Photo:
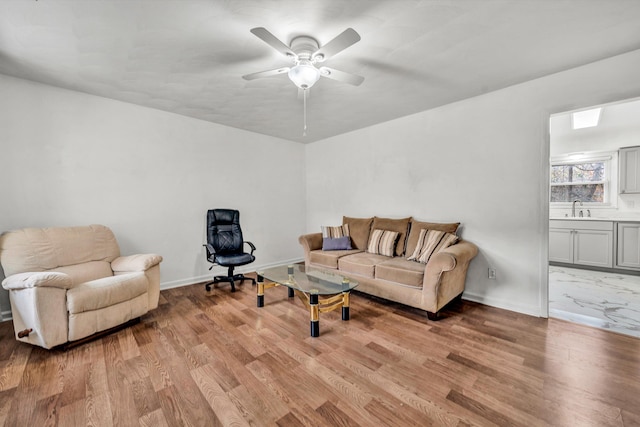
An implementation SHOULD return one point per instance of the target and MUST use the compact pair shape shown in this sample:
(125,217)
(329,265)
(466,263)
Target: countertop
(613,219)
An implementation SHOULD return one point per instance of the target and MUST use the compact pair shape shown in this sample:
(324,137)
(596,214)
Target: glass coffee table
(310,284)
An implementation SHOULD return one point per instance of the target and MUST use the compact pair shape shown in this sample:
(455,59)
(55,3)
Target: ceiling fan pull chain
(304,100)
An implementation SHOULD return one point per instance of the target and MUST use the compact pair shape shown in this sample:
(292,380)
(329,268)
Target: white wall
(68,158)
(482,161)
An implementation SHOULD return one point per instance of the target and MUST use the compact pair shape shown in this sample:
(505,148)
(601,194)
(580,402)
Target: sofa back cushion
(40,249)
(417,226)
(359,229)
(401,226)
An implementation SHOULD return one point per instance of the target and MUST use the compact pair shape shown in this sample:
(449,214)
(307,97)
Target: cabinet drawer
(584,224)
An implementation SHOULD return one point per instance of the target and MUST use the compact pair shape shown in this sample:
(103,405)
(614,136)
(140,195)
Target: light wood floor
(207,359)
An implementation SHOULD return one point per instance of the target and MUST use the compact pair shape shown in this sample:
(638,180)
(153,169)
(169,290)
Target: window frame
(609,159)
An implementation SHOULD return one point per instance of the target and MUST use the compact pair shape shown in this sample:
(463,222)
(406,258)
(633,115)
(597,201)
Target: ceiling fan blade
(342,41)
(341,76)
(264,35)
(267,73)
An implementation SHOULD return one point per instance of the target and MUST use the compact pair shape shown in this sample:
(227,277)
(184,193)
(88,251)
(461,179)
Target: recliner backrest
(223,231)
(40,249)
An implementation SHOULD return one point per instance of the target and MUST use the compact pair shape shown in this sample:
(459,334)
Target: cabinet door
(628,254)
(561,245)
(593,247)
(629,161)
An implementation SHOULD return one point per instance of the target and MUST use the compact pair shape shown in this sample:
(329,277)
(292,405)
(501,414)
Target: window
(585,179)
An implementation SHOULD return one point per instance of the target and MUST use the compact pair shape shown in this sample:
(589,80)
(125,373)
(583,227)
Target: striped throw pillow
(333,232)
(382,242)
(431,242)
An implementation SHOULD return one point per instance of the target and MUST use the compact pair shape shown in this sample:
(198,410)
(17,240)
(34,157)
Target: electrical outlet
(492,273)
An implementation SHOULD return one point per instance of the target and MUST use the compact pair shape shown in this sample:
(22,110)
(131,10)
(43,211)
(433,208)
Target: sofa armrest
(310,242)
(139,262)
(446,272)
(37,279)
(463,251)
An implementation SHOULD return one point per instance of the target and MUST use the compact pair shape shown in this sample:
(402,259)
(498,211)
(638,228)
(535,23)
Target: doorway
(587,284)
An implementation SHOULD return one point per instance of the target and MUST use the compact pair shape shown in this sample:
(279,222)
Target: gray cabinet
(561,245)
(581,242)
(628,253)
(629,170)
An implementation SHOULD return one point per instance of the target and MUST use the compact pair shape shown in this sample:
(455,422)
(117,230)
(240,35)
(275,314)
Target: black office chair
(225,246)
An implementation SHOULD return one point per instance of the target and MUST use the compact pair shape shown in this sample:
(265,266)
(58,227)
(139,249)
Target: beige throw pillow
(333,232)
(431,242)
(383,242)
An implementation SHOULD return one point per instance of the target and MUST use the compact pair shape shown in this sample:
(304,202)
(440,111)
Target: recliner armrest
(35,279)
(139,262)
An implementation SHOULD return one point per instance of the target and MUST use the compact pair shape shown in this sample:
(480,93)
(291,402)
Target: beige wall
(68,158)
(482,161)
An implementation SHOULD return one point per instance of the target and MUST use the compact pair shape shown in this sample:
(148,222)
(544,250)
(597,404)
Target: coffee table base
(311,300)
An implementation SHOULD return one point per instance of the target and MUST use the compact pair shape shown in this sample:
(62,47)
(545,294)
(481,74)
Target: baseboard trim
(499,303)
(221,270)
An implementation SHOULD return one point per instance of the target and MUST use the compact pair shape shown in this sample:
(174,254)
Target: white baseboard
(222,270)
(499,303)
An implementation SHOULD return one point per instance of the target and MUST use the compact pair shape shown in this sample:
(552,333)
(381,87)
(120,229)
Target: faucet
(573,208)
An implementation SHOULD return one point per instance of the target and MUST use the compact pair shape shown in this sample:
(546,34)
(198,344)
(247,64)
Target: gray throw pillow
(336,243)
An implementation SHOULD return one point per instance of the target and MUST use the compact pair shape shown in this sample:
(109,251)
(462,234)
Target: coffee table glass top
(309,280)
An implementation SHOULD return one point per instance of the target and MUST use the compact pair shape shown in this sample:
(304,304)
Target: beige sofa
(66,284)
(427,286)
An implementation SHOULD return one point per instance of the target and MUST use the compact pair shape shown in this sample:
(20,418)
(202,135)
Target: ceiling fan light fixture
(304,75)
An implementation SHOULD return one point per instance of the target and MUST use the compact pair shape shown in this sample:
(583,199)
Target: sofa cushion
(336,243)
(401,226)
(382,242)
(359,229)
(431,242)
(417,226)
(362,263)
(106,292)
(399,270)
(328,259)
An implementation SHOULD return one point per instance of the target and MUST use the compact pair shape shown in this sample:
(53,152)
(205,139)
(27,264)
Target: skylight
(586,118)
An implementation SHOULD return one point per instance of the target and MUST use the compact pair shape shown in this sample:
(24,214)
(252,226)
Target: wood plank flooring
(215,359)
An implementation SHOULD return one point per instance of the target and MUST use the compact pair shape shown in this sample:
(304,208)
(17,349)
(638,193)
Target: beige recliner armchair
(69,283)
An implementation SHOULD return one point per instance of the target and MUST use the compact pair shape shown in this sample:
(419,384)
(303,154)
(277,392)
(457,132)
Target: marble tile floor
(604,300)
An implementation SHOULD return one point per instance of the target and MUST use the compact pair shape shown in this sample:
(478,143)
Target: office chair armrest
(253,247)
(210,249)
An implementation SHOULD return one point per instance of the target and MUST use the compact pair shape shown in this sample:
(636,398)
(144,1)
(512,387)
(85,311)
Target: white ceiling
(188,56)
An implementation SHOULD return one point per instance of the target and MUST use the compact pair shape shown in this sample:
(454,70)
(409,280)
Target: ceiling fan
(305,52)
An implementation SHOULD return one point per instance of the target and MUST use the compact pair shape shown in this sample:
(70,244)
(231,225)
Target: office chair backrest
(223,231)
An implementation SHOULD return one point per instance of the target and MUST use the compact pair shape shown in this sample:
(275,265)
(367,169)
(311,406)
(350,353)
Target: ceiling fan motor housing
(304,46)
